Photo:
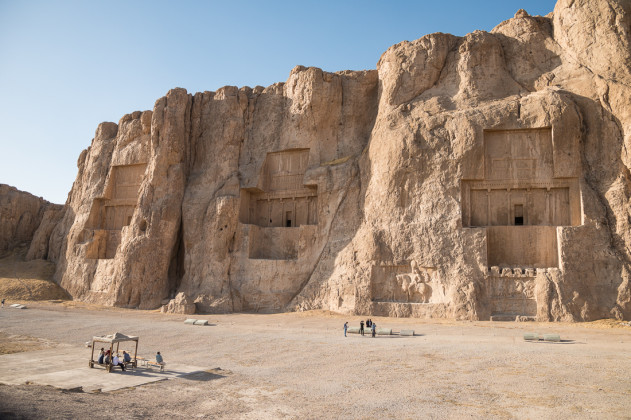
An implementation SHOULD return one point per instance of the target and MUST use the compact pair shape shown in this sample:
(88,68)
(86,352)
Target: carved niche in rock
(113,211)
(278,204)
(520,201)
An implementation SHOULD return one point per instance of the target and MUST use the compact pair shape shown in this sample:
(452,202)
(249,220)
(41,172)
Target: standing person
(361,327)
(159,359)
(373,326)
(345,328)
(3,302)
(101,356)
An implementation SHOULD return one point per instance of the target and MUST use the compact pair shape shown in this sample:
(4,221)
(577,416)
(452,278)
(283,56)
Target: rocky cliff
(23,217)
(476,177)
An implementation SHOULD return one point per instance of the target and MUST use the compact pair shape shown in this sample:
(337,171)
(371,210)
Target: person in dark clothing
(126,357)
(361,327)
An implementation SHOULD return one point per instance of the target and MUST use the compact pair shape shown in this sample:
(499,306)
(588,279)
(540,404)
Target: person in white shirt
(116,362)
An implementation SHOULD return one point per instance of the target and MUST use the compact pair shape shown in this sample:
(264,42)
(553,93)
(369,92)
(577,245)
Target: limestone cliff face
(467,177)
(24,217)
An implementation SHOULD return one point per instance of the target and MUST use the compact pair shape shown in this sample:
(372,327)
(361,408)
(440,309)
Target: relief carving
(405,284)
(414,284)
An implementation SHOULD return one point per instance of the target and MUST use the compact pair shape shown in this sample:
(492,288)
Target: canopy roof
(115,338)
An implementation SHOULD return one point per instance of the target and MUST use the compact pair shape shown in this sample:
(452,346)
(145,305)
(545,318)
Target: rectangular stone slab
(531,336)
(201,322)
(190,321)
(407,333)
(552,337)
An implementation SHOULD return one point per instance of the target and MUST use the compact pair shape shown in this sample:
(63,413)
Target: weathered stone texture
(40,244)
(24,216)
(467,177)
(182,304)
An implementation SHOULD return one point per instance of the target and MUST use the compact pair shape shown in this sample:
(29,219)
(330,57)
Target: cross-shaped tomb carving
(521,198)
(281,199)
(113,211)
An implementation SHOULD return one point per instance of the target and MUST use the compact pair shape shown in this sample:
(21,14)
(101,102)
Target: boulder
(182,304)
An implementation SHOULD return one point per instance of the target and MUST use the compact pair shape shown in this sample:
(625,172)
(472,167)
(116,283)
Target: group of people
(369,324)
(105,356)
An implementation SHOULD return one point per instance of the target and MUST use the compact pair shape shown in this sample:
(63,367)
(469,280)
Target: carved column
(488,207)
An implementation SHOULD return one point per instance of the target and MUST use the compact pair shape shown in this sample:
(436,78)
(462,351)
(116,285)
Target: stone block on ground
(531,336)
(552,337)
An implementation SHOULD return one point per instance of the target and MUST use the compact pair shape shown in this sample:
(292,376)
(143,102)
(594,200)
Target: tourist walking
(373,326)
(361,327)
(345,328)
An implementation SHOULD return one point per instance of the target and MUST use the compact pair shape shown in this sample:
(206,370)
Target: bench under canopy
(113,339)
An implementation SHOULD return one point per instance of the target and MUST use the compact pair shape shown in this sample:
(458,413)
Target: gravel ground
(300,365)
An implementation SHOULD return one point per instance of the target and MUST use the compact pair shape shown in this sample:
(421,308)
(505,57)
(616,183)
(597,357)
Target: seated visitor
(101,356)
(126,357)
(116,362)
(159,359)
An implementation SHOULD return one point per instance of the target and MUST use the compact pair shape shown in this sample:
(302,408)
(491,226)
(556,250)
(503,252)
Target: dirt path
(301,366)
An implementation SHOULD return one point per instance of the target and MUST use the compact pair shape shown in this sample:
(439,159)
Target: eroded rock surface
(467,177)
(182,304)
(23,217)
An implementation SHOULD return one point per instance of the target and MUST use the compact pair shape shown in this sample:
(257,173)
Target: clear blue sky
(66,66)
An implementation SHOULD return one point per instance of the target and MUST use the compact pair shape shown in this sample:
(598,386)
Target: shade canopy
(114,338)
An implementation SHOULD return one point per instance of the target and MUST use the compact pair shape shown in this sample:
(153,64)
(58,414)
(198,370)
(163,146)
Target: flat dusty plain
(300,365)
